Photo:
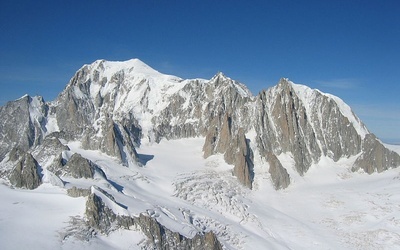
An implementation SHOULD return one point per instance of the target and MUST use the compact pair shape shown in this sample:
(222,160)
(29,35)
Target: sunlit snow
(329,208)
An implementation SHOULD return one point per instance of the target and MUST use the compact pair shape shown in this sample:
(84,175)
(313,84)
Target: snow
(395,148)
(34,219)
(329,207)
(52,125)
(130,87)
(240,88)
(116,208)
(306,95)
(35,111)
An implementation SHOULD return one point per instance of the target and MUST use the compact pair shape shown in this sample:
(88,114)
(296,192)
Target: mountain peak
(133,65)
(123,126)
(220,76)
(285,82)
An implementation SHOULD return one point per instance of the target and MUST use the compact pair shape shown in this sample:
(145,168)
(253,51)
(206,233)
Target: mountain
(92,139)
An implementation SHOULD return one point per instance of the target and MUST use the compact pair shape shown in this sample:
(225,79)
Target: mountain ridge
(116,107)
(134,88)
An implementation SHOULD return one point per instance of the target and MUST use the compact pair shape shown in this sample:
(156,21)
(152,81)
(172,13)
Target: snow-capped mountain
(180,161)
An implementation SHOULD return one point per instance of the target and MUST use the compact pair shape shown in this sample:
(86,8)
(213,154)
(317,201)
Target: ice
(329,207)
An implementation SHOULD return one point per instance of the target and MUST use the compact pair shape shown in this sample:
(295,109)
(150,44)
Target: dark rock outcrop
(78,192)
(279,175)
(20,128)
(162,238)
(26,173)
(375,157)
(103,219)
(98,215)
(76,167)
(307,128)
(222,138)
(79,167)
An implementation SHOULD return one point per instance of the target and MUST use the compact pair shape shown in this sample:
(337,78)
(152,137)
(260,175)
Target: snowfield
(328,208)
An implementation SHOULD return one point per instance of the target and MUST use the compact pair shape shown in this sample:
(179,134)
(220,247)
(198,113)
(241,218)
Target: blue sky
(348,48)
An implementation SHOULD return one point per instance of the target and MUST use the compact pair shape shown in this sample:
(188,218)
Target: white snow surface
(328,208)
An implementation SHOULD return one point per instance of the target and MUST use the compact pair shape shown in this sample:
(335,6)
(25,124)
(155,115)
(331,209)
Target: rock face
(98,215)
(80,167)
(161,237)
(22,124)
(78,192)
(222,138)
(114,106)
(49,150)
(84,113)
(375,157)
(279,175)
(307,123)
(102,218)
(26,173)
(76,167)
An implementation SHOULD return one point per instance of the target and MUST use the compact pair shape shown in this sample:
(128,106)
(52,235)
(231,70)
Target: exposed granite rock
(162,238)
(279,175)
(116,140)
(192,109)
(26,173)
(57,166)
(48,149)
(98,215)
(74,112)
(222,138)
(285,121)
(244,166)
(102,218)
(78,192)
(91,120)
(307,129)
(15,154)
(375,157)
(77,167)
(20,128)
(96,108)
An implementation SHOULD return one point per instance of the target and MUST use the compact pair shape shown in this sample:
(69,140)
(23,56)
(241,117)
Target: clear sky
(348,48)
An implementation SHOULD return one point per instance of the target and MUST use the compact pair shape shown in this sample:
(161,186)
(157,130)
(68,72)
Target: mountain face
(115,107)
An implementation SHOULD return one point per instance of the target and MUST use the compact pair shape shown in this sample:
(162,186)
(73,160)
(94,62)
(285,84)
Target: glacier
(136,159)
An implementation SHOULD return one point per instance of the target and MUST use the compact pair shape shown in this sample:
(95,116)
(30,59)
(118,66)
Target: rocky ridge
(113,107)
(100,217)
